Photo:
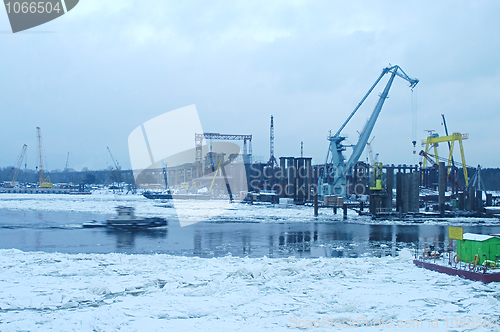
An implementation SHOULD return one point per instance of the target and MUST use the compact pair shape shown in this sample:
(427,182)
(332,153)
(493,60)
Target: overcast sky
(91,76)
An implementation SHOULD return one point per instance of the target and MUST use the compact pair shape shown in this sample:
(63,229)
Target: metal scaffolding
(247,146)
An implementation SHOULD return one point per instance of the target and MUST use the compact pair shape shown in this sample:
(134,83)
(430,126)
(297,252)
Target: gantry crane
(436,166)
(333,179)
(43,181)
(433,139)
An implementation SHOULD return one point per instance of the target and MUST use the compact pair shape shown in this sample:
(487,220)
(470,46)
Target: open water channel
(61,231)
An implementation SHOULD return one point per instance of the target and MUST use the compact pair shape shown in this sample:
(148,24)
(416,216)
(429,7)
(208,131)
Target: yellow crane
(434,139)
(377,175)
(44,182)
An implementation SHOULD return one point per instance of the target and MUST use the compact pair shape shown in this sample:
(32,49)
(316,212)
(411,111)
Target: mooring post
(479,201)
(489,199)
(390,184)
(442,187)
(461,201)
(345,211)
(399,187)
(316,202)
(471,201)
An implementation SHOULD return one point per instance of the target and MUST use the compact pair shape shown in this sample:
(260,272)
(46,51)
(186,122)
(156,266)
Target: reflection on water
(304,240)
(62,232)
(296,242)
(125,239)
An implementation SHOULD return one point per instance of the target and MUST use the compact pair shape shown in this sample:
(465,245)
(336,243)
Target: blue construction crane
(333,178)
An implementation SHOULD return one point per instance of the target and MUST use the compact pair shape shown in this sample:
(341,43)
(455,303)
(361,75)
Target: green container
(485,246)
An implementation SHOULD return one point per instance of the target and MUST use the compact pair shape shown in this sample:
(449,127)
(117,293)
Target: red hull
(476,276)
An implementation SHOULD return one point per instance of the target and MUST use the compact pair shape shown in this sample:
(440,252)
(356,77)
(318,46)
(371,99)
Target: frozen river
(252,268)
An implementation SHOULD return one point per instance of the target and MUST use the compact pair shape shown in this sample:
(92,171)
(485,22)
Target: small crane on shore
(115,162)
(17,168)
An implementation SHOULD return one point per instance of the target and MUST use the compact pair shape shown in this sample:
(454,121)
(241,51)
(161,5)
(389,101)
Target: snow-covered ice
(95,292)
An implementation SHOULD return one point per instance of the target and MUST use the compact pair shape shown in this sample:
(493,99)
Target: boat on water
(127,219)
(477,257)
(158,195)
(167,195)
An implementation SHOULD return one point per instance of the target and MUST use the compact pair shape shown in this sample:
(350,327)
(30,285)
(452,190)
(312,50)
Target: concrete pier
(479,201)
(471,201)
(461,201)
(407,185)
(489,199)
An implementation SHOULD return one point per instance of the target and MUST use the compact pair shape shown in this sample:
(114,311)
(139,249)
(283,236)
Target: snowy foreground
(95,292)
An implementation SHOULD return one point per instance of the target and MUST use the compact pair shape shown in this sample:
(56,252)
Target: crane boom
(20,159)
(335,161)
(115,162)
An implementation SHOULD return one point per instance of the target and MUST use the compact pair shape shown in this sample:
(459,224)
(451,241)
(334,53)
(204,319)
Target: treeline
(490,176)
(109,176)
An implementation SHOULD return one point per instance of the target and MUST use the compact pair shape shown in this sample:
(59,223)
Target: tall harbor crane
(44,182)
(18,165)
(17,168)
(333,179)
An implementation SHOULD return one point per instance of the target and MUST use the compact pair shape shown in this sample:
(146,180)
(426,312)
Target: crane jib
(335,161)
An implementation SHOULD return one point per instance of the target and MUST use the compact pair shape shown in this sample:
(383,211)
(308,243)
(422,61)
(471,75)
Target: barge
(477,257)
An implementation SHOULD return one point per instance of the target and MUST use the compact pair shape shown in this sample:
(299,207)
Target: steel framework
(247,145)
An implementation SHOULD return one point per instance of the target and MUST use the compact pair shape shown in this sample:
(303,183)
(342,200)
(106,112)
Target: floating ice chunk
(406,254)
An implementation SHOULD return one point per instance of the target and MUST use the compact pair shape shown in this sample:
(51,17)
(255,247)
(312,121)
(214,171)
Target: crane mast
(333,179)
(43,182)
(67,163)
(272,160)
(40,162)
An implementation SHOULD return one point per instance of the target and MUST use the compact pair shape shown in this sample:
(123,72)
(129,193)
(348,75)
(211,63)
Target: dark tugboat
(127,219)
